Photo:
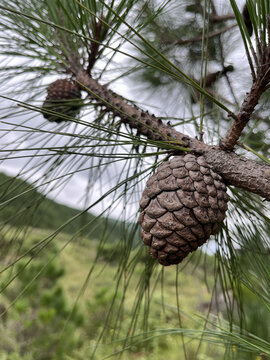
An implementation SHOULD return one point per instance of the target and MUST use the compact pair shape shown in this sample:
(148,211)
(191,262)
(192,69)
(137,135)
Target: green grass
(95,301)
(163,312)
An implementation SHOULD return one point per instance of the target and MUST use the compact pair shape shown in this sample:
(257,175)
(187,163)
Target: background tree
(66,70)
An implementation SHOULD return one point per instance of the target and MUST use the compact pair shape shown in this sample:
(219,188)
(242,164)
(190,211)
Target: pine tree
(97,70)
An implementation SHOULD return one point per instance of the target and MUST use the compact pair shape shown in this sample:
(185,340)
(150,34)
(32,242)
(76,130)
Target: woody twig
(259,86)
(99,33)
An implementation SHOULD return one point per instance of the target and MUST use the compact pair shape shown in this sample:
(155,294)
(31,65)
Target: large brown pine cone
(63,98)
(183,204)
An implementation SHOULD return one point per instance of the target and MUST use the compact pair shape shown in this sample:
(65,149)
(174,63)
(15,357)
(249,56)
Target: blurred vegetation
(21,205)
(45,315)
(40,319)
(34,313)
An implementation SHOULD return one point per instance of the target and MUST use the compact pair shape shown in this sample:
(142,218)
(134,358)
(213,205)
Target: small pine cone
(184,202)
(62,97)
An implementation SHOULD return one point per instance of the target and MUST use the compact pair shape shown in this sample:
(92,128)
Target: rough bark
(241,172)
(147,124)
(235,170)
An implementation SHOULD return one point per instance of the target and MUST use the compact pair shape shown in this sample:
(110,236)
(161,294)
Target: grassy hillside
(21,204)
(59,305)
(73,296)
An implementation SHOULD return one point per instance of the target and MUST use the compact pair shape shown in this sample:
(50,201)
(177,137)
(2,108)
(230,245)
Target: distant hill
(21,204)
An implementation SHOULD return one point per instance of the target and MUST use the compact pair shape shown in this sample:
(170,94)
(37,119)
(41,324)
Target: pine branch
(259,86)
(240,172)
(148,125)
(219,18)
(235,170)
(99,33)
(199,38)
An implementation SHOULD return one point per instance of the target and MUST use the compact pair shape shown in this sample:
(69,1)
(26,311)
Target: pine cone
(62,98)
(183,204)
